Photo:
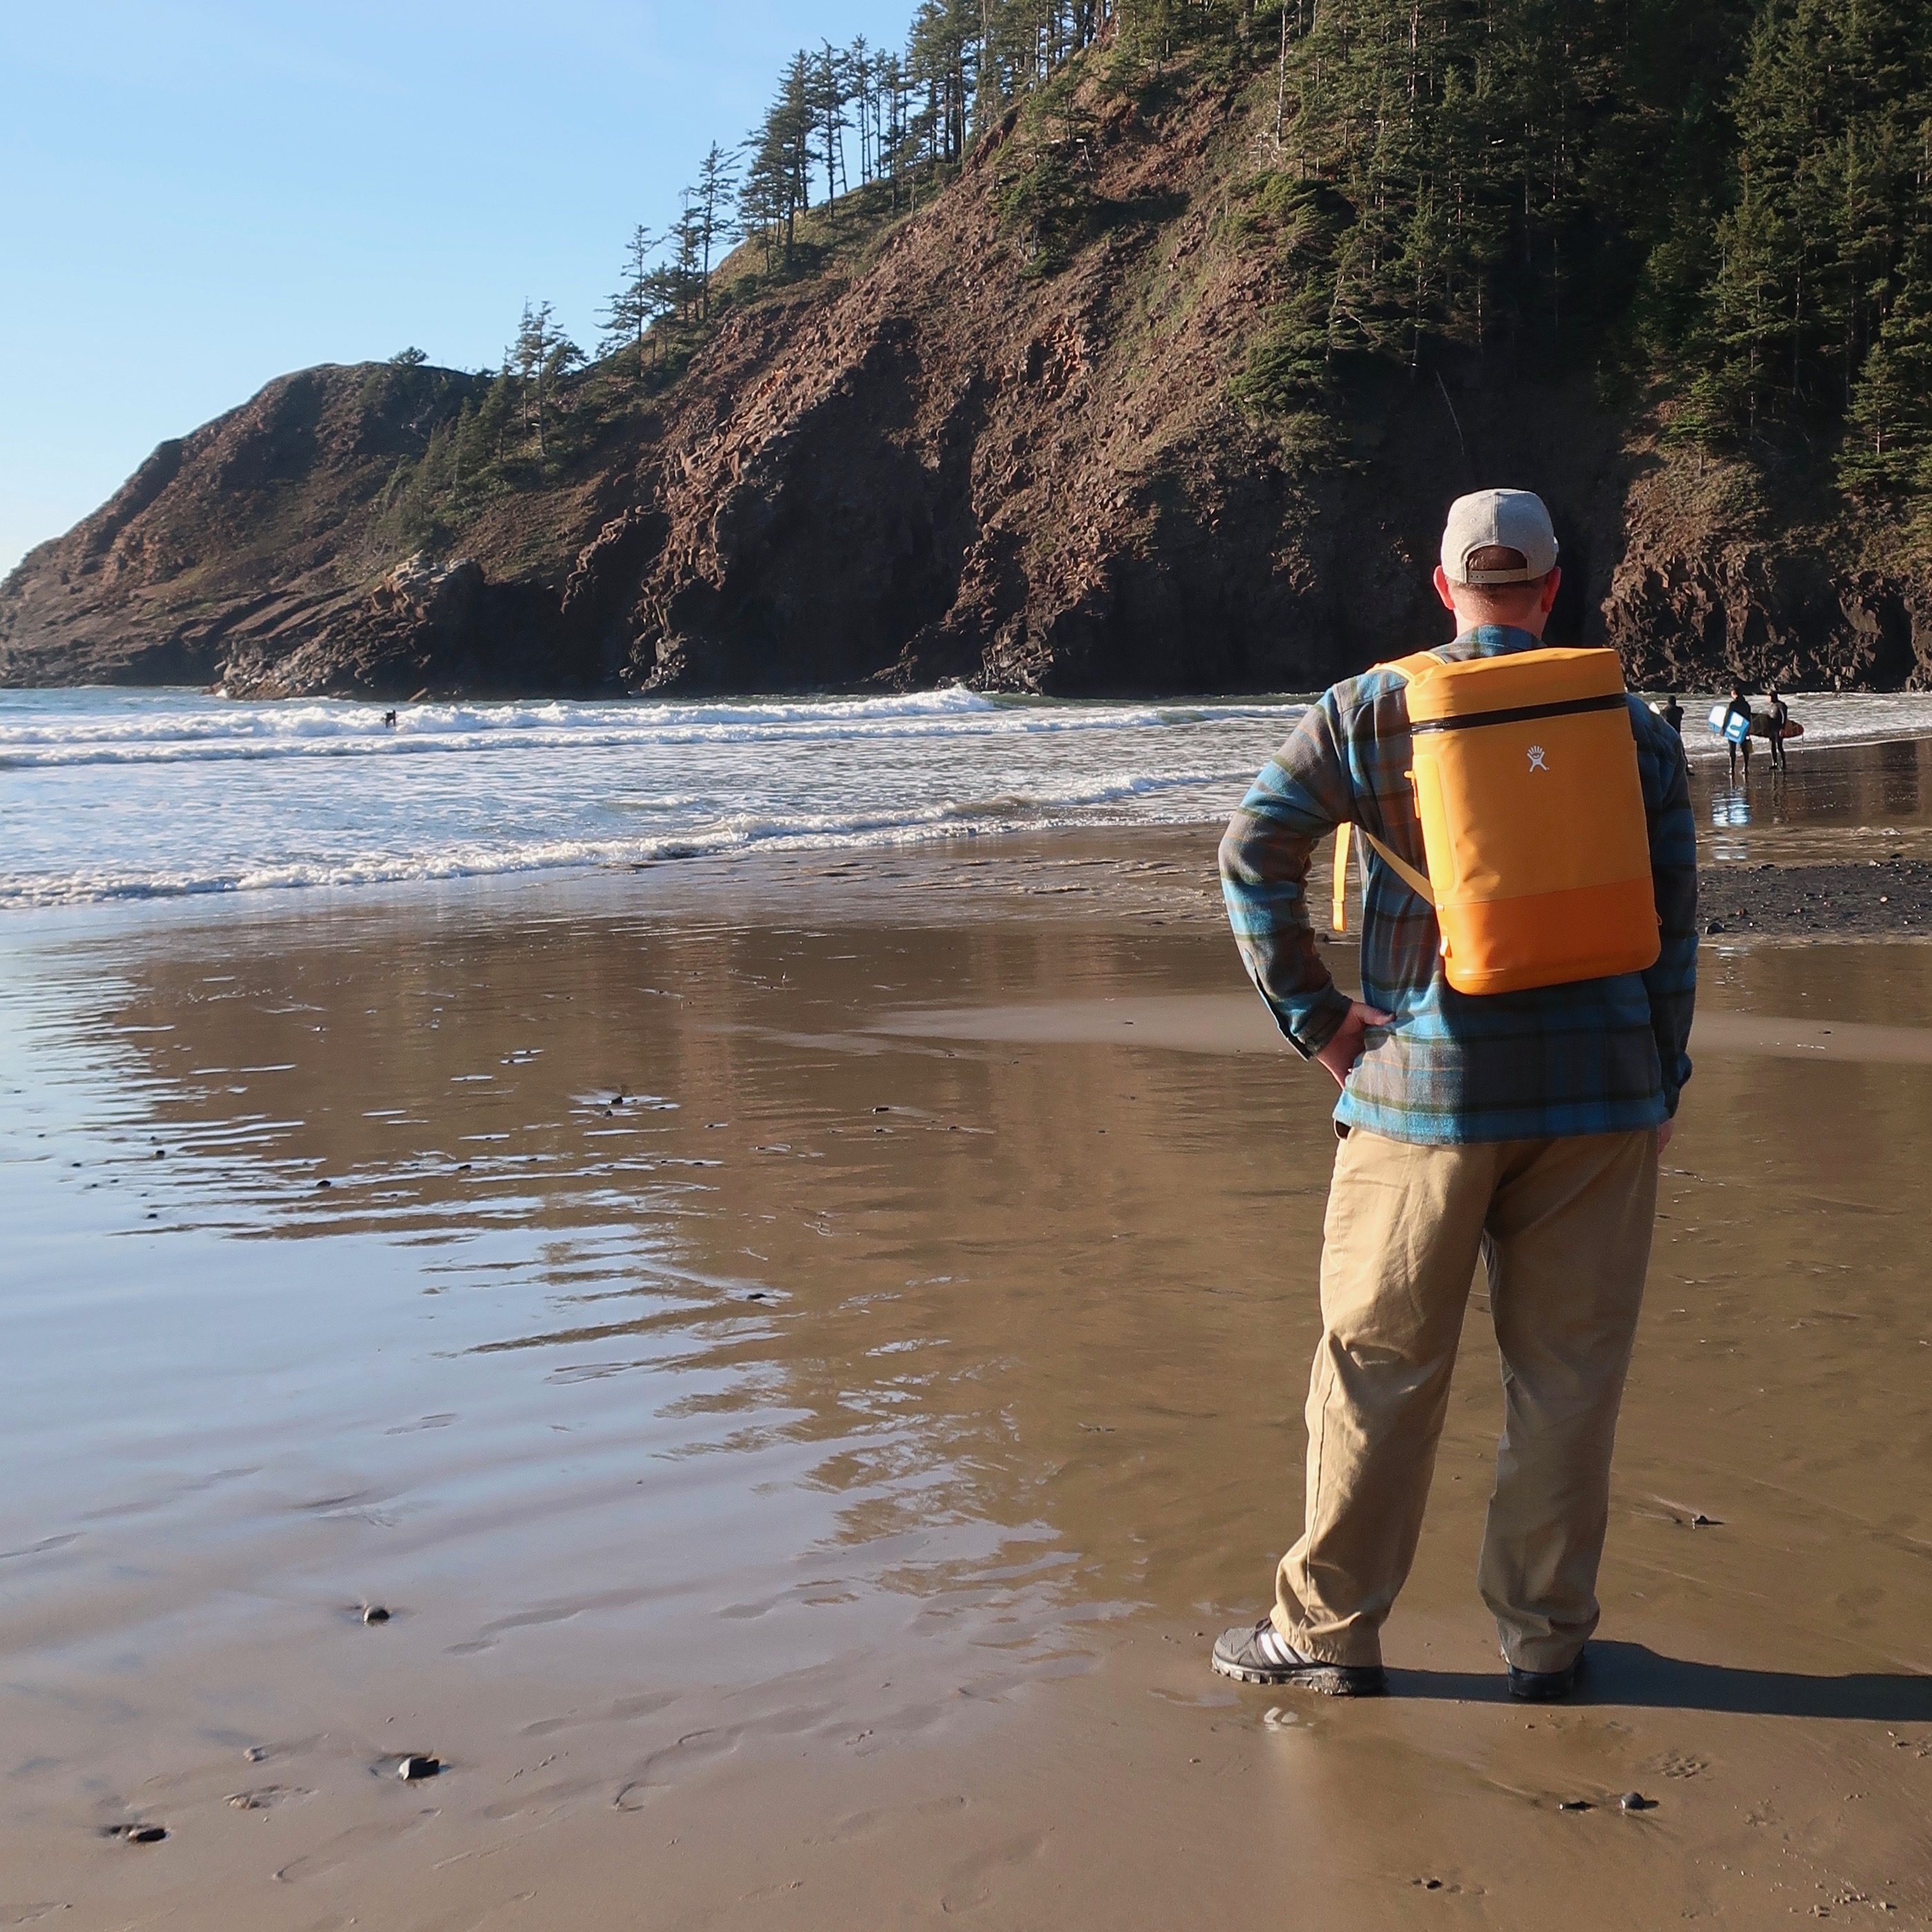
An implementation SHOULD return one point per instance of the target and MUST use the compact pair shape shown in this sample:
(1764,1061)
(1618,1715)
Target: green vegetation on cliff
(1725,206)
(1733,202)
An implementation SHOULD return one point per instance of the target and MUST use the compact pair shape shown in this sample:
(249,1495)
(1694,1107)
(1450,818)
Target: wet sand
(803,1494)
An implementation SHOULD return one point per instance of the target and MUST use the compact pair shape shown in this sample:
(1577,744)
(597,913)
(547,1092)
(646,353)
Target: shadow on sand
(1629,1674)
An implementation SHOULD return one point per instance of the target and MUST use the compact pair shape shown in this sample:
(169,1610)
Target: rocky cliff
(935,461)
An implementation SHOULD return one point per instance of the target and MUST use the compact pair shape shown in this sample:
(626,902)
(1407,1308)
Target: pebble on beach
(142,1834)
(1635,1801)
(417,1765)
(374,1613)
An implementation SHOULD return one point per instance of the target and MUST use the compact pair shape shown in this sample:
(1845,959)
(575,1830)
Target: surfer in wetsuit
(1738,707)
(1779,714)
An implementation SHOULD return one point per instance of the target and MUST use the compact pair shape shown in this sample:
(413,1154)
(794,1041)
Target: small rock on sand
(1635,1801)
(374,1613)
(416,1766)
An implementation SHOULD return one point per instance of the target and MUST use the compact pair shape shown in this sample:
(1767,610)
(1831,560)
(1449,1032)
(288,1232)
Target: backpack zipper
(1523,714)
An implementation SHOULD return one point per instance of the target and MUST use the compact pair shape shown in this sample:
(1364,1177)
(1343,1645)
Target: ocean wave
(1037,808)
(125,795)
(221,730)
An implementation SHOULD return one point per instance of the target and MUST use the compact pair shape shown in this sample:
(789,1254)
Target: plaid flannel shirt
(1596,1057)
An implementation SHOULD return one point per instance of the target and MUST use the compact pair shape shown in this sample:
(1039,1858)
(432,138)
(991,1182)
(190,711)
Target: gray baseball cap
(1512,519)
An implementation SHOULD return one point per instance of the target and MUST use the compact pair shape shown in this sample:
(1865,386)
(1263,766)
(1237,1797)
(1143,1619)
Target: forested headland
(1130,346)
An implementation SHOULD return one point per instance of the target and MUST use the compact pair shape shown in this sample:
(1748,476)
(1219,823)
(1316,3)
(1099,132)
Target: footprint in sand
(347,1845)
(675,1761)
(265,1797)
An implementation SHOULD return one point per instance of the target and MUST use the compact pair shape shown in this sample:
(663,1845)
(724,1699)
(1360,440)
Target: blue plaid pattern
(1596,1057)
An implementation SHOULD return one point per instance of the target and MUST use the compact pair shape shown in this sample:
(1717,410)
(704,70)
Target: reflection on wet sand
(802,1390)
(1830,802)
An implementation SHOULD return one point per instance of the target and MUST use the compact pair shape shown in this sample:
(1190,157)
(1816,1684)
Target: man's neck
(1490,640)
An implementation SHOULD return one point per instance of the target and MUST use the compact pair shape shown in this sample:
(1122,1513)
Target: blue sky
(196,197)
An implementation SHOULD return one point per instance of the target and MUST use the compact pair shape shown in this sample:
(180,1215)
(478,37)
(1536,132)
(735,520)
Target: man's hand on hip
(1346,1048)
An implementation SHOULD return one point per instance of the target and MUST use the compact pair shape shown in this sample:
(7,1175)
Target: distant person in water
(1779,714)
(1522,1128)
(389,719)
(1738,707)
(1673,715)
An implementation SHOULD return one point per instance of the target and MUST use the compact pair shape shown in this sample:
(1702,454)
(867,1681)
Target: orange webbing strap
(1411,665)
(1400,866)
(1417,882)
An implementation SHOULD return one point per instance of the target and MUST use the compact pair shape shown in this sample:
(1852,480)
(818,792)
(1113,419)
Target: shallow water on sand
(1831,801)
(828,1461)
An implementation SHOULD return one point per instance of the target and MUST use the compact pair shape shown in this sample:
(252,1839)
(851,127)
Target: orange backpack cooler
(1532,816)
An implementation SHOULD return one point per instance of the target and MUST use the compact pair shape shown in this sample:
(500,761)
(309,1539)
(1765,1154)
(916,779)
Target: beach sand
(804,1494)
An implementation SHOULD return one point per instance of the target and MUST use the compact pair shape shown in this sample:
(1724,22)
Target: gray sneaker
(1261,1655)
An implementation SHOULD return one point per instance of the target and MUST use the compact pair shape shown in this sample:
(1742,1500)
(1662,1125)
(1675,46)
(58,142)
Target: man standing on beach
(1524,1128)
(1779,714)
(1738,707)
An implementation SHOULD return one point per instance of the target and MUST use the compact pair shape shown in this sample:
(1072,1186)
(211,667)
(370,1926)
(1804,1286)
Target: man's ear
(1551,584)
(1442,588)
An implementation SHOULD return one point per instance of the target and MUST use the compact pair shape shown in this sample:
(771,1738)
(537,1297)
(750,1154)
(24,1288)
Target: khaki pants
(1565,1225)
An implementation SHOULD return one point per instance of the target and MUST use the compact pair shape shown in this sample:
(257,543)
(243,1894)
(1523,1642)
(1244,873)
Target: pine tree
(1887,448)
(717,184)
(688,264)
(764,195)
(541,355)
(830,96)
(633,308)
(1831,113)
(484,444)
(940,54)
(861,75)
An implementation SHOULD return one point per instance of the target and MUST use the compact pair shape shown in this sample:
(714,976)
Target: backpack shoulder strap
(1417,882)
(1416,662)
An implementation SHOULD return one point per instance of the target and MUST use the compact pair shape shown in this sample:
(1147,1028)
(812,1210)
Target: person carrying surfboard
(1508,1079)
(1738,707)
(1779,714)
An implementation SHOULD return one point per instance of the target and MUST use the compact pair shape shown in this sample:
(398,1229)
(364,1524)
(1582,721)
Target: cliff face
(935,464)
(256,549)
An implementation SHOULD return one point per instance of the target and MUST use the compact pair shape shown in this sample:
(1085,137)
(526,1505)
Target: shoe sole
(1327,1680)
